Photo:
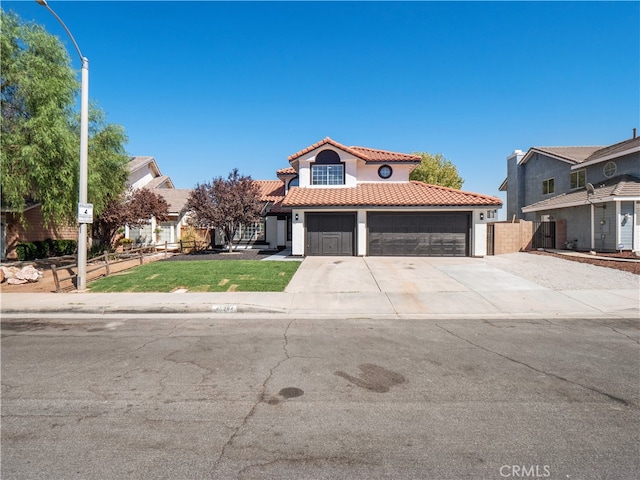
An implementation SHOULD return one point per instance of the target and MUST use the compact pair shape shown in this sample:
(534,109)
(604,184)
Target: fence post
(181,246)
(140,252)
(55,277)
(166,248)
(106,261)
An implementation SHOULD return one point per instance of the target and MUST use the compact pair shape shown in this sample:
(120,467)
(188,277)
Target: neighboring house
(12,232)
(594,191)
(145,173)
(360,201)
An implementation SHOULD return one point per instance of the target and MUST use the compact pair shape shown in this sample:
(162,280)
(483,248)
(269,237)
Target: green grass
(201,276)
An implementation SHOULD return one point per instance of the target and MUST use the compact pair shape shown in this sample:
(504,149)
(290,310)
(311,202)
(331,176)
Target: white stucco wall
(141,177)
(477,238)
(271,231)
(297,232)
(361,236)
(350,168)
(369,172)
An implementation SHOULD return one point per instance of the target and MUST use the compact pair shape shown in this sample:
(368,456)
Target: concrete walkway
(505,286)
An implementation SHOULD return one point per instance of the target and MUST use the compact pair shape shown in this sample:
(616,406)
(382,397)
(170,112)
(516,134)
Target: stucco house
(593,190)
(145,173)
(359,201)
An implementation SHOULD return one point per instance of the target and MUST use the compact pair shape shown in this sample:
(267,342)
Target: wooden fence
(108,260)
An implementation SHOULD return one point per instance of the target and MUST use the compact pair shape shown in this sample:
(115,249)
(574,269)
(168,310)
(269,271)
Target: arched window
(327,169)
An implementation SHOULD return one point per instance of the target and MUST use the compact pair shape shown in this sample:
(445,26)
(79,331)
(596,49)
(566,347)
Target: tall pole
(81,280)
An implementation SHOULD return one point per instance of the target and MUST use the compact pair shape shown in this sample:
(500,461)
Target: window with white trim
(548,186)
(578,179)
(327,169)
(327,174)
(253,232)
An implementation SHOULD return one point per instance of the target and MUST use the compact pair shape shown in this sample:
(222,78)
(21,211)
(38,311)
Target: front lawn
(201,276)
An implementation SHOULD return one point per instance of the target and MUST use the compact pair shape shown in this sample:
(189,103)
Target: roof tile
(366,154)
(621,186)
(401,194)
(572,154)
(272,191)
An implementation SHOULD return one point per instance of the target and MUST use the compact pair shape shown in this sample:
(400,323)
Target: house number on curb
(224,308)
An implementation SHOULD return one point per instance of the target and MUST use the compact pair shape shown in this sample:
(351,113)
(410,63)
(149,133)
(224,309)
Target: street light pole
(81,280)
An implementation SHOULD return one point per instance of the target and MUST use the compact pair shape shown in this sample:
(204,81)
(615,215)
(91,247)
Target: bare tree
(225,204)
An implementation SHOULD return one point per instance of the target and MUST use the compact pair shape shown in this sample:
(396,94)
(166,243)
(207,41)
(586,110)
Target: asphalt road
(195,397)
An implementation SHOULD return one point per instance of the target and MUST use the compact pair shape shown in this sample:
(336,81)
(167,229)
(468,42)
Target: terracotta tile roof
(385,156)
(622,186)
(402,194)
(366,154)
(272,191)
(287,171)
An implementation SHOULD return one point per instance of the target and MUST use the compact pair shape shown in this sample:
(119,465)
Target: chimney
(634,132)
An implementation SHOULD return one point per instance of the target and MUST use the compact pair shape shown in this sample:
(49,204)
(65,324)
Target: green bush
(26,251)
(42,248)
(45,248)
(64,247)
(97,250)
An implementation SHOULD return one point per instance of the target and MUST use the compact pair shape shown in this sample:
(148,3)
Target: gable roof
(272,191)
(573,155)
(287,171)
(375,155)
(363,153)
(626,186)
(175,197)
(614,151)
(379,194)
(162,181)
(136,163)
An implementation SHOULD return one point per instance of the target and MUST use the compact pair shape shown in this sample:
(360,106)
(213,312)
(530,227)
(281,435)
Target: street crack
(558,377)
(260,398)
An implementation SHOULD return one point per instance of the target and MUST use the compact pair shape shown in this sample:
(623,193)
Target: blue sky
(208,86)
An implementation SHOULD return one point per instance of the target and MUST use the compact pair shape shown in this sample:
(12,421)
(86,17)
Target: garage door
(330,234)
(424,234)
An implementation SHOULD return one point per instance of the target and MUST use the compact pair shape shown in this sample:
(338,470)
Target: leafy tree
(437,170)
(225,204)
(40,133)
(132,209)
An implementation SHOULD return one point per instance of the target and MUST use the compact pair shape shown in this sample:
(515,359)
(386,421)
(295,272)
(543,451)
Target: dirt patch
(631,267)
(47,284)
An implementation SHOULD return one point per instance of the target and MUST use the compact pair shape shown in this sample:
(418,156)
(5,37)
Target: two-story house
(595,191)
(360,201)
(145,173)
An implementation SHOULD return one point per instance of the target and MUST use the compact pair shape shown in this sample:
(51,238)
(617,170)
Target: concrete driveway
(504,286)
(518,283)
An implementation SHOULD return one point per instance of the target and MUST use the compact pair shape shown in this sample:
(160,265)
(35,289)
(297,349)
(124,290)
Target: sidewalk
(515,286)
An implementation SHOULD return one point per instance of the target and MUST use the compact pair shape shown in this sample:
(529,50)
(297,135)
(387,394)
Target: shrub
(64,247)
(97,250)
(26,251)
(42,248)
